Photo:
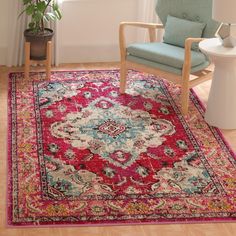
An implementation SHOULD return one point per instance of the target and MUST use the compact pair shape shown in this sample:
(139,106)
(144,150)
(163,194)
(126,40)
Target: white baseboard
(88,53)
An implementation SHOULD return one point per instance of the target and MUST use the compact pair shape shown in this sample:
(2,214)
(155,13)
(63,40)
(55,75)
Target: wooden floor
(213,229)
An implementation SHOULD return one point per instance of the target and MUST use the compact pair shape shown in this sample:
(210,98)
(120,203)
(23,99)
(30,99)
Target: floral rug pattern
(82,153)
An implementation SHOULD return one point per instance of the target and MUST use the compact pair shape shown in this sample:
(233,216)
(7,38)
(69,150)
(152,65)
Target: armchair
(179,63)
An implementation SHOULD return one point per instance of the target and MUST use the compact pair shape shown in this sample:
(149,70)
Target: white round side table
(221,105)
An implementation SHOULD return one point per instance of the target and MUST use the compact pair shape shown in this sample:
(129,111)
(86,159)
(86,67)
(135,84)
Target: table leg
(49,60)
(27,60)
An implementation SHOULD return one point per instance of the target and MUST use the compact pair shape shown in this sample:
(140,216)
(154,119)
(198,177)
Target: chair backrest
(194,10)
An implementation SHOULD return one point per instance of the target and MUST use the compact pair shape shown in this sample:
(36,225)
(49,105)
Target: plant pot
(38,43)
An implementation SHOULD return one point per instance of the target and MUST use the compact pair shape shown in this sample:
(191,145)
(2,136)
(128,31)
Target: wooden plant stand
(46,62)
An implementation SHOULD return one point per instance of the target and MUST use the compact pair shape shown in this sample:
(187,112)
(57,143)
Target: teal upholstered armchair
(176,58)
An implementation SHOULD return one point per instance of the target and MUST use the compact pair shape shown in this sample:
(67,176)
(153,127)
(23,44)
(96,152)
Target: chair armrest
(189,41)
(187,54)
(150,26)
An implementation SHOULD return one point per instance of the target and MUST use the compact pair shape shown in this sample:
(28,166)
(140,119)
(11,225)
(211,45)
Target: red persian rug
(80,153)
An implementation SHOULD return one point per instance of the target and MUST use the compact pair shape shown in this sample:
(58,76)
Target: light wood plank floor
(213,229)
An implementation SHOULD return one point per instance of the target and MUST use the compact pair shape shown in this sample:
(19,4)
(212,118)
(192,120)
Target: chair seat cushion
(166,68)
(166,54)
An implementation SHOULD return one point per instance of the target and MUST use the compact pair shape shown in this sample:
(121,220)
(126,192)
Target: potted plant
(40,12)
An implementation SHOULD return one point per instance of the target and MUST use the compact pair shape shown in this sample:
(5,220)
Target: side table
(221,105)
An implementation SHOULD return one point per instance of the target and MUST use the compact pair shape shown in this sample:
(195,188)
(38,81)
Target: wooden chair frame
(47,62)
(186,80)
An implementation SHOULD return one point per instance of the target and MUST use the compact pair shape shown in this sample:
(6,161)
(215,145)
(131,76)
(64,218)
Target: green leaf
(37,16)
(31,25)
(41,6)
(45,18)
(26,1)
(55,6)
(58,14)
(50,15)
(30,9)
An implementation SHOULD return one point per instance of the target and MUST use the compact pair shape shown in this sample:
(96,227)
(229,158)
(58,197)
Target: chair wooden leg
(185,95)
(27,60)
(49,60)
(123,73)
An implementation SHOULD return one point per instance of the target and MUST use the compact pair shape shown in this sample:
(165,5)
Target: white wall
(88,31)
(3,30)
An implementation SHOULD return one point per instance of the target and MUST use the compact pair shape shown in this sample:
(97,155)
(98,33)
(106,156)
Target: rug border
(9,144)
(119,224)
(219,132)
(9,161)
